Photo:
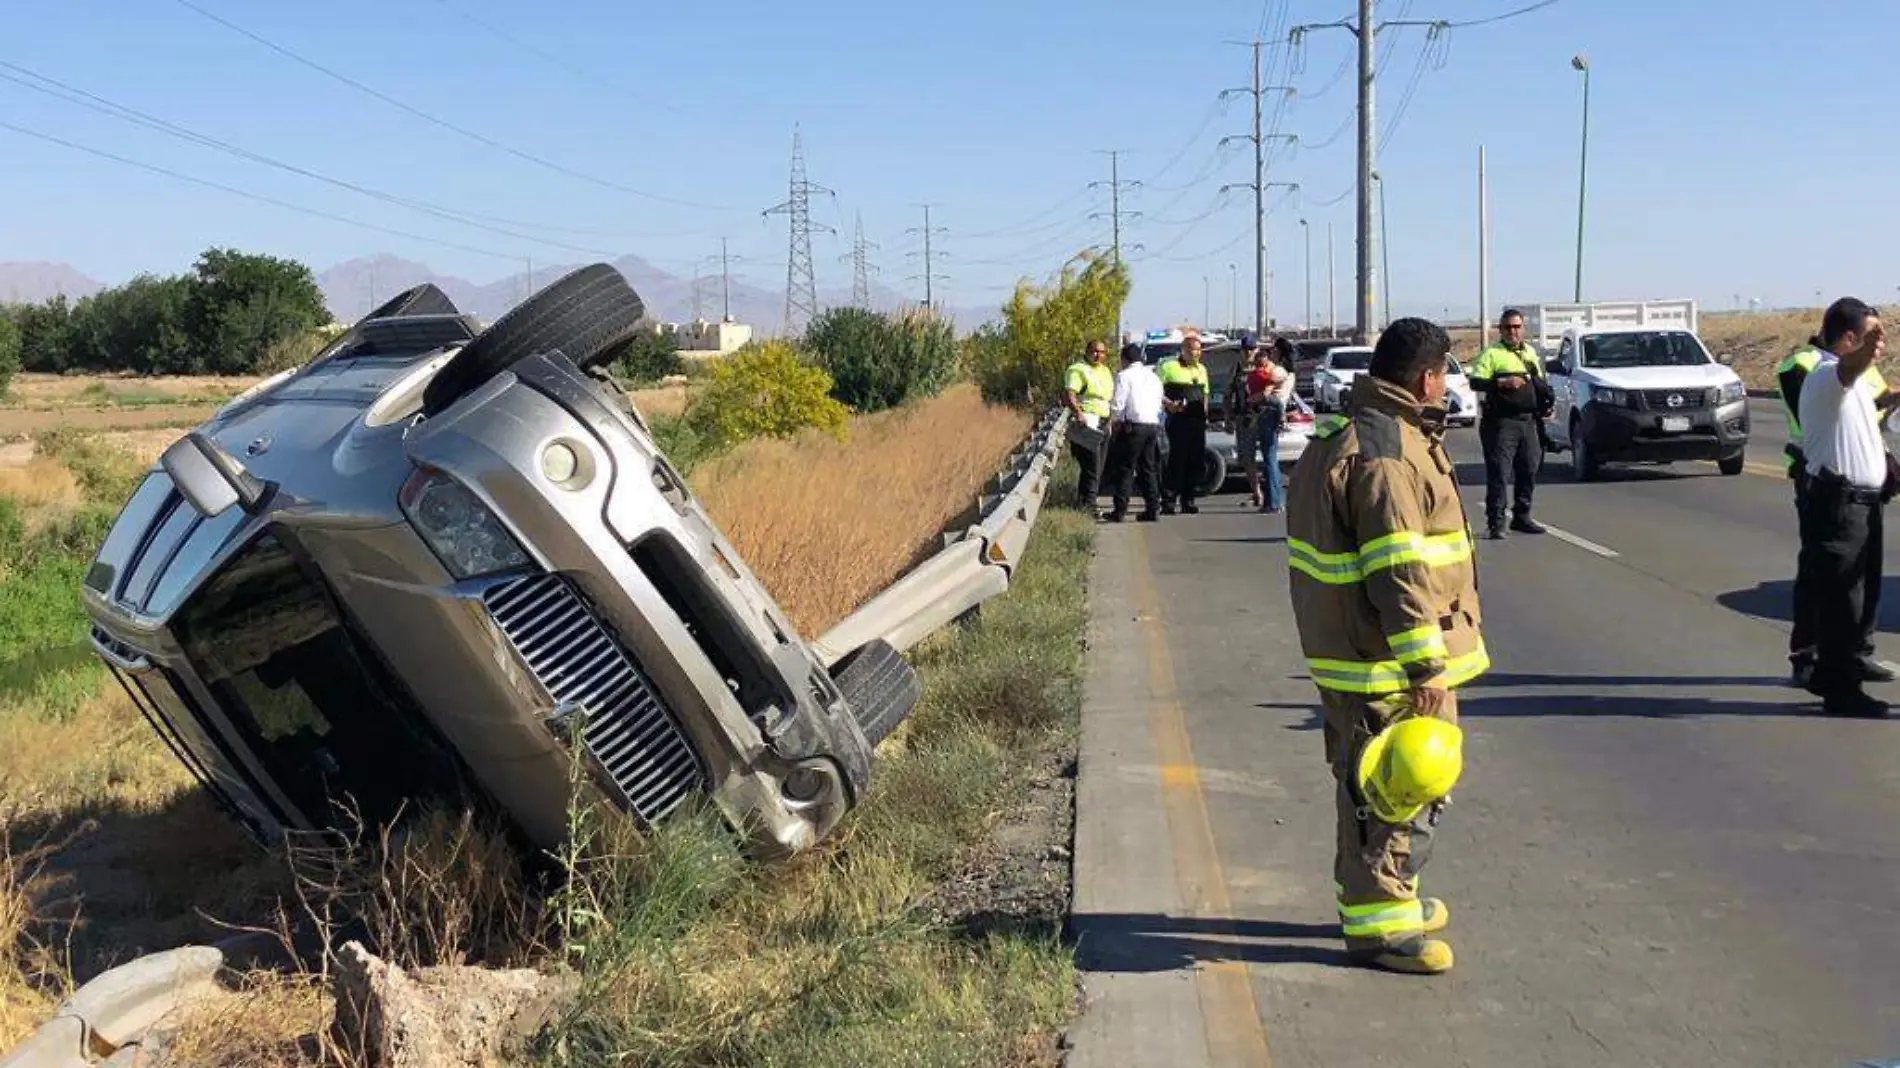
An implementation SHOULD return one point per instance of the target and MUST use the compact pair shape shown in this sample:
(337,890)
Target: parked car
(1461,401)
(1223,464)
(1332,379)
(433,561)
(1307,355)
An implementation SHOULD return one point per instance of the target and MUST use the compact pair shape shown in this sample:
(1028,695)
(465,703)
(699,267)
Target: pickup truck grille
(631,736)
(1690,400)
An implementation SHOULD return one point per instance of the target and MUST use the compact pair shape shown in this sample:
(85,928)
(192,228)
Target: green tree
(881,361)
(243,307)
(1045,328)
(764,390)
(139,326)
(649,356)
(9,354)
(42,334)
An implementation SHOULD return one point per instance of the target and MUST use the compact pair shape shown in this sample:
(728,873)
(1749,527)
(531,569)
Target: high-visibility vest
(1093,385)
(1498,360)
(1805,359)
(1182,377)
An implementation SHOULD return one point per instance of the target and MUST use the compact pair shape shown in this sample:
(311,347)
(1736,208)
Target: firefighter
(1790,374)
(1516,400)
(1184,388)
(1089,384)
(1385,598)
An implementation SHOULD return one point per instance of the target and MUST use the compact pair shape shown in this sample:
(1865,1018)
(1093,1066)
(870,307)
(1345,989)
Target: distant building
(700,339)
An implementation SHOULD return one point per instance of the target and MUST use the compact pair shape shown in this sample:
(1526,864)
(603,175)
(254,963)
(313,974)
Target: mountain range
(355,286)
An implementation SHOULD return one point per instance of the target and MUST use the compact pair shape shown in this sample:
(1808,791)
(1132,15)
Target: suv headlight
(1615,398)
(467,536)
(1731,392)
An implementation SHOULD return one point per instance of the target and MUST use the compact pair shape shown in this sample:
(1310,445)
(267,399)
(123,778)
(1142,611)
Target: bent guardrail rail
(975,564)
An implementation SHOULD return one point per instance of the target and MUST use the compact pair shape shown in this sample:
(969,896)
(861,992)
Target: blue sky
(1707,173)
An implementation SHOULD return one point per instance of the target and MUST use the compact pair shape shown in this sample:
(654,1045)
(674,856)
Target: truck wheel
(583,316)
(880,686)
(1583,459)
(1213,472)
(1731,465)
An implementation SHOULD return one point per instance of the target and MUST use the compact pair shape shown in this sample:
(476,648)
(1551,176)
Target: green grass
(691,955)
(46,661)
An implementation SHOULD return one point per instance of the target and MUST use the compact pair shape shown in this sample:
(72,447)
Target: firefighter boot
(1437,916)
(1416,955)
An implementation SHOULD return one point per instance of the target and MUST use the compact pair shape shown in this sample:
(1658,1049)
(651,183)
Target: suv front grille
(1690,400)
(629,733)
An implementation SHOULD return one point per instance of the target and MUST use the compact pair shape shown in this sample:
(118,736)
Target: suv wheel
(1213,472)
(583,316)
(1731,465)
(880,686)
(1583,459)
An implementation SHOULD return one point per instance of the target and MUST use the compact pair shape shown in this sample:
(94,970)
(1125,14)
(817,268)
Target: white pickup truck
(1634,384)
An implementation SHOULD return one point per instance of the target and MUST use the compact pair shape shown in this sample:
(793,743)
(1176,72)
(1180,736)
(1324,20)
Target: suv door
(1563,388)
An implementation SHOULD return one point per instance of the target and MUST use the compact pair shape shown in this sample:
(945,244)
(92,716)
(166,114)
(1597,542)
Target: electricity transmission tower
(801,287)
(1115,186)
(1366,30)
(930,278)
(861,268)
(1259,185)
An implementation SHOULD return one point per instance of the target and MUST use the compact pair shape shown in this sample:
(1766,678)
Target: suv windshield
(1645,348)
(1156,351)
(309,701)
(1349,361)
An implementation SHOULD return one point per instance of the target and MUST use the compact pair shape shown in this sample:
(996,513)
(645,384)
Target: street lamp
(1307,323)
(1205,299)
(1385,256)
(1233,295)
(1583,167)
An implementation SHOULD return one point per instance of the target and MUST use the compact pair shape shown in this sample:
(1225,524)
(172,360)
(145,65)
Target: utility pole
(1580,63)
(1115,186)
(1332,288)
(801,286)
(861,269)
(1306,322)
(930,278)
(1259,185)
(725,284)
(1484,258)
(1233,298)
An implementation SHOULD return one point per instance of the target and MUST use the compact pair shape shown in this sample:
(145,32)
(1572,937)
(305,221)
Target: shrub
(765,391)
(1045,327)
(9,354)
(649,357)
(881,361)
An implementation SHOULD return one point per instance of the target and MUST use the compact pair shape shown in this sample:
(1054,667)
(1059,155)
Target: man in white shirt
(1841,528)
(1134,449)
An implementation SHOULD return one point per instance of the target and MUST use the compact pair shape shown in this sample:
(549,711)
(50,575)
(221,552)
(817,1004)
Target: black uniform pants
(1841,530)
(1134,456)
(1802,636)
(1088,486)
(1513,451)
(1187,448)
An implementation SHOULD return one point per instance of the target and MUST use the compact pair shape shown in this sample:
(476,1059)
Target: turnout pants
(1840,528)
(1376,865)
(1134,455)
(1513,450)
(1187,448)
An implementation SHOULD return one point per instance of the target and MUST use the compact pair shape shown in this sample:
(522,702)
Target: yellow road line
(1229,1013)
(1756,467)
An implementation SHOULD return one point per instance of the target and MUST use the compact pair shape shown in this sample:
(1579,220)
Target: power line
(74,95)
(1258,90)
(930,277)
(556,61)
(1115,183)
(861,266)
(246,194)
(441,122)
(1539,6)
(801,286)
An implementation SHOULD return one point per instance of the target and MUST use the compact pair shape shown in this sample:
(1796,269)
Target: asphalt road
(1659,855)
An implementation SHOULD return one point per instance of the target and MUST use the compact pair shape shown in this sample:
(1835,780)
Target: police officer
(1509,377)
(1184,389)
(1385,597)
(1790,375)
(1089,385)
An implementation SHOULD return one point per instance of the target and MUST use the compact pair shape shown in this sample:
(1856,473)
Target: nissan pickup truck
(445,561)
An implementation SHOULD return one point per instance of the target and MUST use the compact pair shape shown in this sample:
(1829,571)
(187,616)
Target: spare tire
(583,316)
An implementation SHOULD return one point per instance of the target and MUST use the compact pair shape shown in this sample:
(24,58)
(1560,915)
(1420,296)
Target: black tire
(1583,460)
(424,299)
(880,686)
(583,316)
(1732,465)
(1213,472)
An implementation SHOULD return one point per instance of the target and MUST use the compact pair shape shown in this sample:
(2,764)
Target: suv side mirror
(210,478)
(1725,359)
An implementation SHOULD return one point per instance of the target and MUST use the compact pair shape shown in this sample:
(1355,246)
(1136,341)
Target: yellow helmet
(1409,765)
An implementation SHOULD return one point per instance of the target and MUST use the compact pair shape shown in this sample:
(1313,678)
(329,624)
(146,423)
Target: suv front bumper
(1711,433)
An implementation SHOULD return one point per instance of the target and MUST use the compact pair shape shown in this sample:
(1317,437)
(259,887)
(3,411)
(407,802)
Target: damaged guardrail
(975,563)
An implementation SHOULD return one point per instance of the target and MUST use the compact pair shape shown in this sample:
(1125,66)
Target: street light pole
(1205,303)
(1332,288)
(1385,258)
(1233,295)
(1306,323)
(1583,167)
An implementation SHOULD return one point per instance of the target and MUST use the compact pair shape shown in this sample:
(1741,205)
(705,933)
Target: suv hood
(1702,375)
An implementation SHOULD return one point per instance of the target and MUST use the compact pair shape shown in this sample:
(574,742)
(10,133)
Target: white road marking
(1582,543)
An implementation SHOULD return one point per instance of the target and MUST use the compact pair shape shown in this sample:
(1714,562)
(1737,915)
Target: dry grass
(667,401)
(43,391)
(827,524)
(36,481)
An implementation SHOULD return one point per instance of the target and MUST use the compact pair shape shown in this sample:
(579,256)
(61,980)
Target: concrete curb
(109,1015)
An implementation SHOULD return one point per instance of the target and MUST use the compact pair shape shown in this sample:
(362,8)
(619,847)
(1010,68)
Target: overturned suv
(437,563)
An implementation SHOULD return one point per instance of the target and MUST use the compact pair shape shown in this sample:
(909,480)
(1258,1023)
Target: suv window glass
(309,701)
(1157,351)
(1645,348)
(1350,361)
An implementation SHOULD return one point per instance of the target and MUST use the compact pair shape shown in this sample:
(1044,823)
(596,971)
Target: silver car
(431,562)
